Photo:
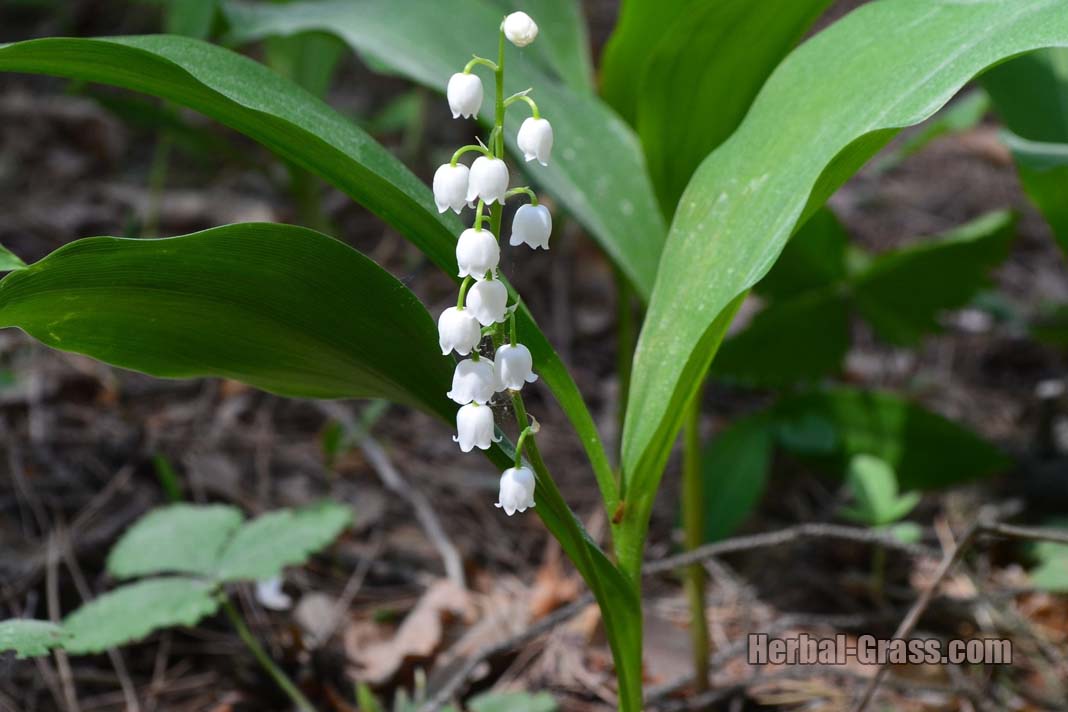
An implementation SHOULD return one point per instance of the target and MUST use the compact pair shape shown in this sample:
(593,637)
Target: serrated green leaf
(816,120)
(902,292)
(180,538)
(29,638)
(267,544)
(132,612)
(735,467)
(597,170)
(279,307)
(513,702)
(800,339)
(926,450)
(1043,171)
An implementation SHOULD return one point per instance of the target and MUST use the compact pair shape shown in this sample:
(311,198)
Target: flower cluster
(482,307)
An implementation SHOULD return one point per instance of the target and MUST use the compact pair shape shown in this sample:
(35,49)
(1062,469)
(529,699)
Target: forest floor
(83,446)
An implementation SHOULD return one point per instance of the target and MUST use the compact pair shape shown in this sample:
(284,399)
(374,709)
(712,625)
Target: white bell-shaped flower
(489,180)
(535,139)
(520,29)
(517,490)
(473,381)
(533,225)
(474,427)
(459,331)
(477,253)
(488,301)
(270,595)
(450,187)
(464,93)
(514,367)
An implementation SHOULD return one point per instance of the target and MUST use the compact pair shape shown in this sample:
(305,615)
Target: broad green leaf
(307,59)
(813,258)
(192,18)
(301,129)
(641,25)
(9,261)
(597,170)
(29,638)
(1030,93)
(926,450)
(701,76)
(181,538)
(735,467)
(902,292)
(1043,171)
(279,307)
(261,548)
(131,612)
(563,45)
(800,339)
(817,119)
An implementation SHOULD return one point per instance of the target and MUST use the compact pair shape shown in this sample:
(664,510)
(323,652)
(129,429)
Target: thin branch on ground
(392,479)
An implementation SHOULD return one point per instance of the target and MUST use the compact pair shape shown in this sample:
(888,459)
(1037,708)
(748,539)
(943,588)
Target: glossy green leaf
(263,547)
(563,44)
(279,307)
(9,260)
(131,612)
(926,450)
(301,129)
(735,468)
(701,76)
(181,538)
(641,25)
(1030,94)
(902,292)
(817,119)
(961,115)
(1043,171)
(597,170)
(29,638)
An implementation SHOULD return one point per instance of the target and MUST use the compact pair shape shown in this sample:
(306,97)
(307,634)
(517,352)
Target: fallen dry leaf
(417,638)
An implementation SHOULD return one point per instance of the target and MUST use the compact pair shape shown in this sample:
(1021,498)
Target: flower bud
(459,331)
(450,187)
(517,490)
(535,139)
(474,427)
(464,93)
(270,595)
(477,253)
(473,381)
(532,224)
(488,301)
(489,180)
(520,29)
(514,367)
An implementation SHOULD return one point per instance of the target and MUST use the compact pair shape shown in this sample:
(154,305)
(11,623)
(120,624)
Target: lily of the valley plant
(297,313)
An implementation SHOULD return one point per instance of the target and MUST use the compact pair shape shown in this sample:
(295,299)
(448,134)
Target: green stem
(522,96)
(479,60)
(157,177)
(464,286)
(511,325)
(626,334)
(527,432)
(480,215)
(693,523)
(467,149)
(264,659)
(523,190)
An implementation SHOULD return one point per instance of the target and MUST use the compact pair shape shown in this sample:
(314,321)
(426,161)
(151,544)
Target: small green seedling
(183,555)
(877,504)
(517,701)
(1051,573)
